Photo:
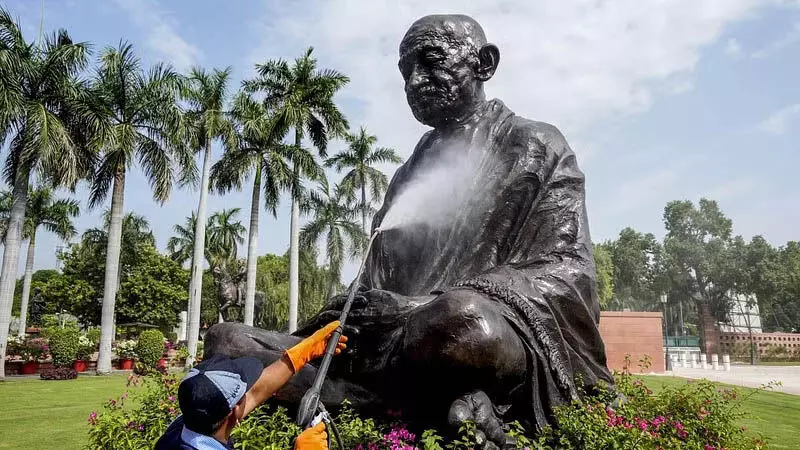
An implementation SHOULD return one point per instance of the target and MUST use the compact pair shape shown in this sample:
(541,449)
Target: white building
(744,316)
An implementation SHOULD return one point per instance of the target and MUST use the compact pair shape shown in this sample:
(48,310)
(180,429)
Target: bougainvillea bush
(697,415)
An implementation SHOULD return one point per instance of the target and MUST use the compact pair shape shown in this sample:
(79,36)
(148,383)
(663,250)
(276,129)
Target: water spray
(311,410)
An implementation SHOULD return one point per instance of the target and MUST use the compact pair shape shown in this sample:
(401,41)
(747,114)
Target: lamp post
(667,360)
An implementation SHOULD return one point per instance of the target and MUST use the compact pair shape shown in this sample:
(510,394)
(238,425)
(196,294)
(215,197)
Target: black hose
(310,404)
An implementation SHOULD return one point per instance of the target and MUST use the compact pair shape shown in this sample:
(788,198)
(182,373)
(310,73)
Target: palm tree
(143,122)
(135,230)
(334,219)
(206,94)
(302,99)
(44,118)
(42,210)
(259,150)
(225,233)
(361,158)
(181,246)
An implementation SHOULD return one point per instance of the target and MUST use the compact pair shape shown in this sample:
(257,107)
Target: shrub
(59,373)
(64,345)
(94,335)
(150,347)
(696,415)
(126,349)
(85,347)
(124,428)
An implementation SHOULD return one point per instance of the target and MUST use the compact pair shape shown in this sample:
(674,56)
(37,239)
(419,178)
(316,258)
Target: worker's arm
(278,373)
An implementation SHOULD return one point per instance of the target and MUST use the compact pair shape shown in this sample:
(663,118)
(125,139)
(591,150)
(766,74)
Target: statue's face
(438,67)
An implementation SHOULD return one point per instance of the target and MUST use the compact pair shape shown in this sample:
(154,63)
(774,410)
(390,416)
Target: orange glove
(314,346)
(314,438)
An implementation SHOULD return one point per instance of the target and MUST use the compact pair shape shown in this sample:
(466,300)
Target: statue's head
(444,60)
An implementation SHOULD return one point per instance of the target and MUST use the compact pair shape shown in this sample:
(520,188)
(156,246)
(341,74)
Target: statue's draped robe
(520,239)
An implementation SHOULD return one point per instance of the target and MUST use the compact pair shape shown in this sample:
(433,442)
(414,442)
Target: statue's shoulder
(538,136)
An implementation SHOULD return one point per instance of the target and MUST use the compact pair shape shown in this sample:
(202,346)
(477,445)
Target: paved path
(748,376)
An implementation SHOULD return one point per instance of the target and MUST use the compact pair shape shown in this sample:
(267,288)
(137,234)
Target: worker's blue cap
(210,390)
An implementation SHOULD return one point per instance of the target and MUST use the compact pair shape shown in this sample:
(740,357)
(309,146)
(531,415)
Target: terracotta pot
(79,365)
(126,364)
(30,367)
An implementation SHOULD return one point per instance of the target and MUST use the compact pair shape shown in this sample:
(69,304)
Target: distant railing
(683,341)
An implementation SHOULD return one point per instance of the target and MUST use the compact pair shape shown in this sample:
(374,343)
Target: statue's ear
(489,57)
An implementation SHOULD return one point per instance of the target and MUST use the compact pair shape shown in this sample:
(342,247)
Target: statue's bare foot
(477,408)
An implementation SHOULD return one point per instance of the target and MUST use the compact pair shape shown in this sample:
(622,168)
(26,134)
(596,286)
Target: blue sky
(659,100)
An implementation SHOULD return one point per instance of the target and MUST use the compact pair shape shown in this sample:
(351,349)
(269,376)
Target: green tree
(226,234)
(222,239)
(143,122)
(181,245)
(273,280)
(637,261)
(697,247)
(206,94)
(360,158)
(260,152)
(154,291)
(334,221)
(605,274)
(301,98)
(52,214)
(45,121)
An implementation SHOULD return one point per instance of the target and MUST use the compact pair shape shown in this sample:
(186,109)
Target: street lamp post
(667,360)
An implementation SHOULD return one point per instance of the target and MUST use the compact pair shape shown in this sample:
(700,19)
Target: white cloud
(789,39)
(162,32)
(731,189)
(733,48)
(569,63)
(778,122)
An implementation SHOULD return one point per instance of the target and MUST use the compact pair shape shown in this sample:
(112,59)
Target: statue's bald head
(457,30)
(444,60)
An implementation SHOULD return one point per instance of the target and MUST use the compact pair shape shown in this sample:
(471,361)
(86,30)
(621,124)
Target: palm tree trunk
(334,274)
(107,322)
(364,211)
(252,249)
(26,286)
(196,287)
(294,249)
(11,259)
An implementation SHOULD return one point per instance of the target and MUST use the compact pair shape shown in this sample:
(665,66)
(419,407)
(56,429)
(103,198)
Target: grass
(52,414)
(774,415)
(37,414)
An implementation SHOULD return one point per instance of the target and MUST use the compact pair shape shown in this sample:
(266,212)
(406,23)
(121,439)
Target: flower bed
(696,415)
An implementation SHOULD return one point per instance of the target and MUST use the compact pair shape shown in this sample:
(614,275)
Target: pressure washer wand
(311,409)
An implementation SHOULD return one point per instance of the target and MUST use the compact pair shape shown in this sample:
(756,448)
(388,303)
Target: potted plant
(85,350)
(31,351)
(126,352)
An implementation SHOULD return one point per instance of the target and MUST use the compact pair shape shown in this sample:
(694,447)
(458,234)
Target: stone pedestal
(703,361)
(182,326)
(714,362)
(726,363)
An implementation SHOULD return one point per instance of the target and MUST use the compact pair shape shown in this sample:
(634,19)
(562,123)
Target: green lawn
(773,414)
(52,414)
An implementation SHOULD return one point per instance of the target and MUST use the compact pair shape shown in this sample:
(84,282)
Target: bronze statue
(230,280)
(489,312)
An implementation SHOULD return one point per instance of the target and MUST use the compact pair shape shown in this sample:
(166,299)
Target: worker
(220,392)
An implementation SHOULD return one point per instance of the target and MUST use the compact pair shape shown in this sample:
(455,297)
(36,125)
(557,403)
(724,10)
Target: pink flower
(171,398)
(709,447)
(93,418)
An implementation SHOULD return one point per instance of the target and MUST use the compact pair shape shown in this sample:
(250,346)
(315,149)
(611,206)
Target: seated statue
(489,313)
